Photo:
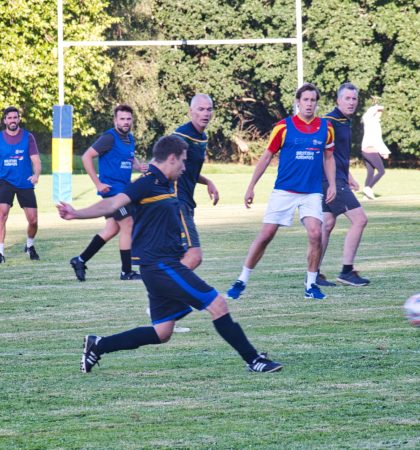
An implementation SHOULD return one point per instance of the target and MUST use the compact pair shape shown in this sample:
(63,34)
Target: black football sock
(125,261)
(95,245)
(128,340)
(233,334)
(347,268)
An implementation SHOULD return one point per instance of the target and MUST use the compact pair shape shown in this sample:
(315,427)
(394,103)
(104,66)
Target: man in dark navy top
(173,288)
(193,132)
(116,160)
(345,202)
(20,167)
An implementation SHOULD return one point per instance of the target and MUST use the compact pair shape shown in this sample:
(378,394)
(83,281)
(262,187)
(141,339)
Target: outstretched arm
(103,208)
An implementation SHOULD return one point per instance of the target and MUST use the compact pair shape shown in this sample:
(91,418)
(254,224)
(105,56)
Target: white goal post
(181,42)
(62,142)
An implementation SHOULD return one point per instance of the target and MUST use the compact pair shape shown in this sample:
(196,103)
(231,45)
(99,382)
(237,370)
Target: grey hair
(199,96)
(350,86)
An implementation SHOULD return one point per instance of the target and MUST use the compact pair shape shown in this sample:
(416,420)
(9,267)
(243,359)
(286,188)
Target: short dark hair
(9,110)
(349,86)
(168,145)
(307,87)
(124,108)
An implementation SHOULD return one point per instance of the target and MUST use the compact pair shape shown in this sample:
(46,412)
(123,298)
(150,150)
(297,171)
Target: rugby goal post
(62,141)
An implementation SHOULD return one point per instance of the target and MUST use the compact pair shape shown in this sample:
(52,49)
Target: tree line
(370,43)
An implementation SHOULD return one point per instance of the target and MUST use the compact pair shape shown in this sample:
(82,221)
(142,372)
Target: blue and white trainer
(236,290)
(263,364)
(314,292)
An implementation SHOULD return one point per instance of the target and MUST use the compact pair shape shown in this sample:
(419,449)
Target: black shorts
(121,213)
(26,197)
(190,236)
(173,289)
(345,199)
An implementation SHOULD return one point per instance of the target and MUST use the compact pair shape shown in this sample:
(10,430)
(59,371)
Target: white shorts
(282,206)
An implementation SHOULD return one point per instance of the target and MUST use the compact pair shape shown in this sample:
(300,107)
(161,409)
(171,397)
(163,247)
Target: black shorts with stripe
(121,213)
(174,290)
(190,237)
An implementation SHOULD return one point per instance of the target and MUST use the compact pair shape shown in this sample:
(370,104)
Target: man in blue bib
(116,160)
(19,173)
(172,287)
(306,145)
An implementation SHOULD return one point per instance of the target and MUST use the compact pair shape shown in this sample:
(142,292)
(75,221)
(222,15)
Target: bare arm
(260,168)
(89,166)
(36,167)
(329,170)
(103,208)
(211,188)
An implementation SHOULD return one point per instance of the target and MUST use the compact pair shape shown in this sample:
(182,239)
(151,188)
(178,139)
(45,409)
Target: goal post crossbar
(181,42)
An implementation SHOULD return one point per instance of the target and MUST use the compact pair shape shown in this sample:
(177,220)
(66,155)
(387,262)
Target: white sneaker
(368,192)
(178,329)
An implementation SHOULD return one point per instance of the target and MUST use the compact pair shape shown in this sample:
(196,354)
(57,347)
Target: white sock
(29,242)
(310,279)
(2,248)
(244,276)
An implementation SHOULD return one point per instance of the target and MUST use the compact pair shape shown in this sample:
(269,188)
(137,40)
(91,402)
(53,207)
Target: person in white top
(373,148)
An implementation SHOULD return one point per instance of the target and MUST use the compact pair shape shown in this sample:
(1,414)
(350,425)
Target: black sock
(347,268)
(128,340)
(95,245)
(125,261)
(233,334)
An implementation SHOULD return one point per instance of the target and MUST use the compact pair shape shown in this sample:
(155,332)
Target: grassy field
(351,376)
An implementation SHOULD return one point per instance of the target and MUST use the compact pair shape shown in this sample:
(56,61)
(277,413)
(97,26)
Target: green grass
(351,371)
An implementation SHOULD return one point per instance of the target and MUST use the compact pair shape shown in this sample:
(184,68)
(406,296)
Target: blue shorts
(173,289)
(190,236)
(345,199)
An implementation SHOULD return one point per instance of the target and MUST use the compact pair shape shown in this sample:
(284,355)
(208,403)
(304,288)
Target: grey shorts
(345,199)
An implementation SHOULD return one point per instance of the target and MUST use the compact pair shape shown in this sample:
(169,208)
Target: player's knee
(164,335)
(218,307)
(33,222)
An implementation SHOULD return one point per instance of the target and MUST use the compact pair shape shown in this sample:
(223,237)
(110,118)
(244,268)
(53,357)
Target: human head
(307,97)
(11,118)
(347,98)
(201,111)
(171,152)
(123,118)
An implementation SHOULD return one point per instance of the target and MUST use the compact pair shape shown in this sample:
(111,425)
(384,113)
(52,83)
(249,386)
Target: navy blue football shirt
(196,153)
(157,221)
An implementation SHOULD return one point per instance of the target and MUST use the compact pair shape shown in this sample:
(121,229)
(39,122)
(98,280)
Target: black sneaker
(263,364)
(352,279)
(130,276)
(2,258)
(33,255)
(90,355)
(79,268)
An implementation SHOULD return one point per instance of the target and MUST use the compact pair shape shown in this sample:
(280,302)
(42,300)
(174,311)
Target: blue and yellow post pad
(62,152)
